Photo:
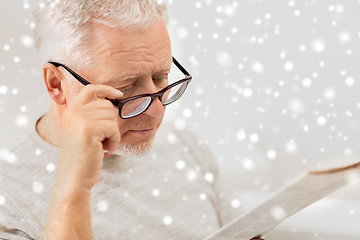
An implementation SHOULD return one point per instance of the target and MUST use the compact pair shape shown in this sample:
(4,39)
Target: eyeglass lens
(139,105)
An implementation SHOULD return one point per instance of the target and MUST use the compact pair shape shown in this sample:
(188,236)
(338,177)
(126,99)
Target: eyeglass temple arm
(180,67)
(83,81)
(77,76)
(80,79)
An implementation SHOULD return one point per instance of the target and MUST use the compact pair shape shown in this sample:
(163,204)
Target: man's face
(129,59)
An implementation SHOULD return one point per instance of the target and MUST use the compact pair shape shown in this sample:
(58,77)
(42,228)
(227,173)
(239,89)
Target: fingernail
(120,92)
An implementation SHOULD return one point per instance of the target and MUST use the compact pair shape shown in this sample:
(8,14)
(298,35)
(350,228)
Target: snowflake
(209,177)
(2,200)
(50,167)
(235,203)
(191,175)
(321,120)
(102,206)
(291,146)
(318,45)
(167,220)
(27,41)
(278,213)
(271,154)
(3,90)
(248,164)
(203,196)
(37,187)
(155,192)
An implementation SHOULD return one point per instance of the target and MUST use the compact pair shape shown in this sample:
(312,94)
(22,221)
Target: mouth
(142,132)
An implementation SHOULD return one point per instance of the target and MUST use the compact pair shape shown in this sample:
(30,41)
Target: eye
(127,89)
(159,79)
(162,81)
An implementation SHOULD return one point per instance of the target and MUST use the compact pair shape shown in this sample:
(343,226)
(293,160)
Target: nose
(156,109)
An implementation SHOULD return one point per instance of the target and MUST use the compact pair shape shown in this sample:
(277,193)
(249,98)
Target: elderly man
(87,170)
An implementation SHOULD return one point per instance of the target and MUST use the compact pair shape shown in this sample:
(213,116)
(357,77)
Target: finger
(100,114)
(109,145)
(92,92)
(100,109)
(110,134)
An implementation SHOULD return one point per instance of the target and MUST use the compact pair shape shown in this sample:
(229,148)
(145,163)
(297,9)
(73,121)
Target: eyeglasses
(136,105)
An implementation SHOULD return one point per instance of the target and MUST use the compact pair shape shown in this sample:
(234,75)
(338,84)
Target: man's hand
(89,126)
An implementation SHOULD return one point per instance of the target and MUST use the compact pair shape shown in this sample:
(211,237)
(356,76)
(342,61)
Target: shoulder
(27,154)
(24,186)
(17,165)
(27,161)
(11,159)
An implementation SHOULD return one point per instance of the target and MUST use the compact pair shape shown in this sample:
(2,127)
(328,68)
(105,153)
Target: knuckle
(111,107)
(114,126)
(108,104)
(89,88)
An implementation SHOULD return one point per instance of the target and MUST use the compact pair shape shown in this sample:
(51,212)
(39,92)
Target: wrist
(70,190)
(69,214)
(80,169)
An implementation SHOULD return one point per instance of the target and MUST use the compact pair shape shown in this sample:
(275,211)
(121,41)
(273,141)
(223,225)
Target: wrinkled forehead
(130,51)
(142,42)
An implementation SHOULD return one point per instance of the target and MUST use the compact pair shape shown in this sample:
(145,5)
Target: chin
(137,149)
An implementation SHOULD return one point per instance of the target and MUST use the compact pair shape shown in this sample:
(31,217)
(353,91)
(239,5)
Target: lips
(142,132)
(143,126)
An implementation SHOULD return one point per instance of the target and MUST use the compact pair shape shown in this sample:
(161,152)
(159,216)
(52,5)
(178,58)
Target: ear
(54,81)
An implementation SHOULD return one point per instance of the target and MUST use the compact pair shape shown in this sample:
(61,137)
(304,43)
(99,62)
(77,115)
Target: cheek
(70,91)
(122,125)
(70,99)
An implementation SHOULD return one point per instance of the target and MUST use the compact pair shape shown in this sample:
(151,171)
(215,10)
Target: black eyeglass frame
(121,103)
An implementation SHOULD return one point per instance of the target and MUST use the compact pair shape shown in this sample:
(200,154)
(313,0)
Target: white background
(275,91)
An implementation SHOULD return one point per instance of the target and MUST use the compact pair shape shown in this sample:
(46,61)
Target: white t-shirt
(171,192)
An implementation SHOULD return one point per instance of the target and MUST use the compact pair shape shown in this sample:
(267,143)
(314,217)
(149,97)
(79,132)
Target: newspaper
(301,192)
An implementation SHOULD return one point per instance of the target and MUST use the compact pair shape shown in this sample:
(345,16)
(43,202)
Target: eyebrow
(164,70)
(125,78)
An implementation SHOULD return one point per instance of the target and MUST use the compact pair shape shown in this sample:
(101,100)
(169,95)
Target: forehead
(132,50)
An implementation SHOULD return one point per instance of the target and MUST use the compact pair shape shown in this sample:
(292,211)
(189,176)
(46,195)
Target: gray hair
(62,30)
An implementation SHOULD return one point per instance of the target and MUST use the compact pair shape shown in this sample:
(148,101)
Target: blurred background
(275,92)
